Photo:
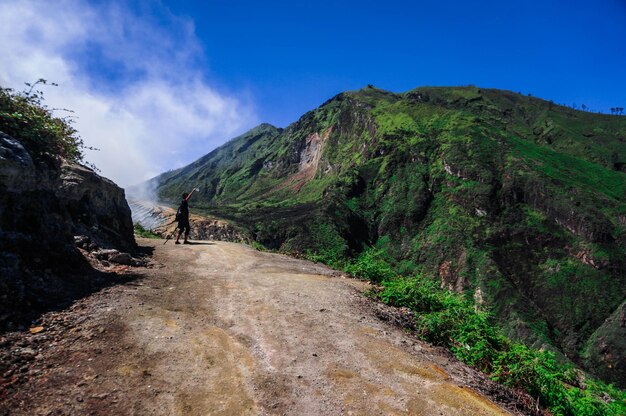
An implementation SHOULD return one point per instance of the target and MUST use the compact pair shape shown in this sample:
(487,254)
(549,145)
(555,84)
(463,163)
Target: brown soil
(223,329)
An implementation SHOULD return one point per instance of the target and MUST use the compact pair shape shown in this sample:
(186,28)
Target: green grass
(571,172)
(143,233)
(328,245)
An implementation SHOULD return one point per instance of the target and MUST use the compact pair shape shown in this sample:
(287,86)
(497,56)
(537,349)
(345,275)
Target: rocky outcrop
(44,203)
(58,198)
(96,207)
(605,349)
(213,229)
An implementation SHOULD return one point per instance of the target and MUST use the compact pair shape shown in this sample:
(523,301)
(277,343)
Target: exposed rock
(217,230)
(480,212)
(105,254)
(478,298)
(97,207)
(12,152)
(454,171)
(82,241)
(48,208)
(605,348)
(402,317)
(121,258)
(587,258)
(449,274)
(108,256)
(309,153)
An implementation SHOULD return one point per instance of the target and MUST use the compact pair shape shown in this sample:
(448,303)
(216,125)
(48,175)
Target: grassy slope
(506,198)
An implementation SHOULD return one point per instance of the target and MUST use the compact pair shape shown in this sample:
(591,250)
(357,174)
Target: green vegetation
(143,233)
(570,170)
(370,265)
(25,117)
(448,319)
(328,246)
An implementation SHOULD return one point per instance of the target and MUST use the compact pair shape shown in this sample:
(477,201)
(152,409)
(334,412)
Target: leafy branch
(25,116)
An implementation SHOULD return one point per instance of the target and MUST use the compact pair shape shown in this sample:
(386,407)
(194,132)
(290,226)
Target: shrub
(370,265)
(330,247)
(414,293)
(450,320)
(446,319)
(24,117)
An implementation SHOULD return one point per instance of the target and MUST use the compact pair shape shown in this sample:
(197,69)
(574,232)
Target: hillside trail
(222,329)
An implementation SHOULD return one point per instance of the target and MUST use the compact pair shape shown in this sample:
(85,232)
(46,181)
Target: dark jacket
(182,215)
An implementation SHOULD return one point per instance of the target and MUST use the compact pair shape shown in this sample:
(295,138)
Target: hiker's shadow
(196,243)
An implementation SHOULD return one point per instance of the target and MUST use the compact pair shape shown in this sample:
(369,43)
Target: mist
(140,89)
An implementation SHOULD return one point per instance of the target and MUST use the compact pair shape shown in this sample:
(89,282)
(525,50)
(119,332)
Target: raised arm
(191,193)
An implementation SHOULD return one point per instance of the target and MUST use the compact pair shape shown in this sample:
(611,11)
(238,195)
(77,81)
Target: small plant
(143,233)
(258,246)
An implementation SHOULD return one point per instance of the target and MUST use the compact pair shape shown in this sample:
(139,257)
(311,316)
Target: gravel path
(220,328)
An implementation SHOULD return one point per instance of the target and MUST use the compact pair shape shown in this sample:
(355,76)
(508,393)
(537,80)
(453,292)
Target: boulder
(121,258)
(106,253)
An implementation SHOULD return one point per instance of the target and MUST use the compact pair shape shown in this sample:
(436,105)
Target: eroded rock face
(62,199)
(97,207)
(605,349)
(216,230)
(43,205)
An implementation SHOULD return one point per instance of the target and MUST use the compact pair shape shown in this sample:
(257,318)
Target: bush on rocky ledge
(25,117)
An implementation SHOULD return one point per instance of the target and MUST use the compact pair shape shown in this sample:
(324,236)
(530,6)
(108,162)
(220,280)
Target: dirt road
(223,329)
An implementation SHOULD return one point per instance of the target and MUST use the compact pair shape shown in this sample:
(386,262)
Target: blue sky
(293,55)
(156,84)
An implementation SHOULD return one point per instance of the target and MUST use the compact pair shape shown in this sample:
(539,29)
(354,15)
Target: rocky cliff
(45,202)
(513,200)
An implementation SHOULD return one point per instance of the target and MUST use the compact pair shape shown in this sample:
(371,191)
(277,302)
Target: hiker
(182,216)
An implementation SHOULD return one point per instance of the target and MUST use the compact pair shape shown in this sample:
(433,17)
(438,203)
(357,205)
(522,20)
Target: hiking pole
(171,235)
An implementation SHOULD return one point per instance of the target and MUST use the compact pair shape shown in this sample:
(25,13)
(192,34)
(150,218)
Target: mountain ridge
(513,200)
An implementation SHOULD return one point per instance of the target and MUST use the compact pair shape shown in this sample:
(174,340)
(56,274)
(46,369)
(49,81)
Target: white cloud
(136,80)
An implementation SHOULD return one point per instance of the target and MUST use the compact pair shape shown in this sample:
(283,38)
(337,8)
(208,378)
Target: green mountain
(515,201)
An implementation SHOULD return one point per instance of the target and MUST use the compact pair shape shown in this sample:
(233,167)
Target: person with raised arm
(182,216)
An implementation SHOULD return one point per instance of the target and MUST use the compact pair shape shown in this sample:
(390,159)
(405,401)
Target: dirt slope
(222,329)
